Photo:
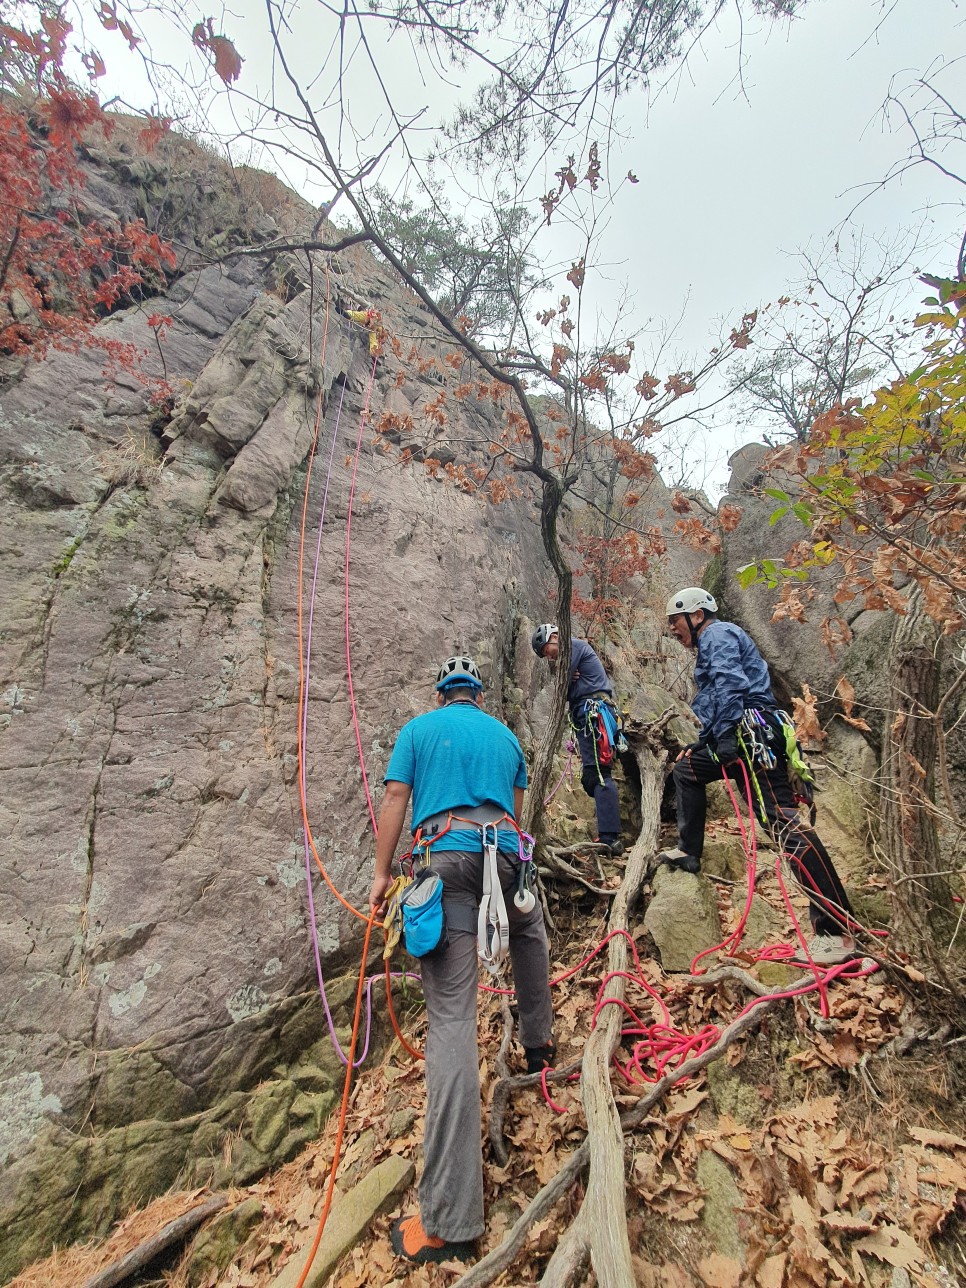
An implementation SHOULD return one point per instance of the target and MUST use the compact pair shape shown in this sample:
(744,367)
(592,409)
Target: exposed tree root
(738,975)
(599,1232)
(495,1262)
(501,1258)
(501,1065)
(600,1229)
(571,1257)
(561,865)
(582,847)
(598,1235)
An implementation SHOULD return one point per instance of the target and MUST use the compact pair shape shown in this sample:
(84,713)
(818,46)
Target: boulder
(682,917)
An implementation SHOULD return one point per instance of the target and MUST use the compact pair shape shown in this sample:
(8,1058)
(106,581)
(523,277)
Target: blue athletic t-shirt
(458,756)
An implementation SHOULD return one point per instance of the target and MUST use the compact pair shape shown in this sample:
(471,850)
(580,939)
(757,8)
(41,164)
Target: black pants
(776,810)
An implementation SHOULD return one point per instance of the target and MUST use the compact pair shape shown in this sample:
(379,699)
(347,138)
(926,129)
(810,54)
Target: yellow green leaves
(881,487)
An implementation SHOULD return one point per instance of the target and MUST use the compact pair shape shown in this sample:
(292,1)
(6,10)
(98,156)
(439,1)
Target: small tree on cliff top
(555,397)
(832,337)
(63,265)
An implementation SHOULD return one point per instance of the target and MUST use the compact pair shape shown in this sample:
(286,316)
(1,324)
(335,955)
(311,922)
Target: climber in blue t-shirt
(461,768)
(458,758)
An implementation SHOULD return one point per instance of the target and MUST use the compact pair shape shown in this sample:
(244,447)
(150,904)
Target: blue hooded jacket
(731,676)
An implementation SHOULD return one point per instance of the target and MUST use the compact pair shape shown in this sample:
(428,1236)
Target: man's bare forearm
(392,817)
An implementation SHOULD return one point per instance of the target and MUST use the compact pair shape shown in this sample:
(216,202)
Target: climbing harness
(492,922)
(757,734)
(603,726)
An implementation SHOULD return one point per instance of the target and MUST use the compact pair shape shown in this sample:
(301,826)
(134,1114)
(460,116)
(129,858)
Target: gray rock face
(155,947)
(682,918)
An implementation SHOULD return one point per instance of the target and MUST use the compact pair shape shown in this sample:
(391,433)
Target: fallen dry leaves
(820,1203)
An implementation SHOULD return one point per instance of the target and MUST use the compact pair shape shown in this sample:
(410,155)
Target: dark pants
(597,782)
(776,809)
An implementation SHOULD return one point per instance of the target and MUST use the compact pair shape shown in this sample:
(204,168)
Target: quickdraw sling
(604,727)
(756,735)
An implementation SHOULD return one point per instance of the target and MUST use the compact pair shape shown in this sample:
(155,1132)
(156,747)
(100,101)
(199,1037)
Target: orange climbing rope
(343,1111)
(369,918)
(303,696)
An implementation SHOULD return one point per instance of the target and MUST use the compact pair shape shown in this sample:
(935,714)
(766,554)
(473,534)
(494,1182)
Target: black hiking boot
(541,1057)
(680,859)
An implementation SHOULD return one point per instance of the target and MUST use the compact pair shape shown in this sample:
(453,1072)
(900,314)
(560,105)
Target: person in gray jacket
(740,721)
(590,697)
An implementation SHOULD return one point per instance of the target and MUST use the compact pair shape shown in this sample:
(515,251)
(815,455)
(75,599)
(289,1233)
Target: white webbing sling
(493,928)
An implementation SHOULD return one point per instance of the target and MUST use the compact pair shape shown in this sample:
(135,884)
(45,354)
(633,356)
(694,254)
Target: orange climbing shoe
(410,1240)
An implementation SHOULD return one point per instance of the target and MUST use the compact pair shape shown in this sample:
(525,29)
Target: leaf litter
(831,1186)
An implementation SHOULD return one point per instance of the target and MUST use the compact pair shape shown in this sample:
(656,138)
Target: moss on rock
(733,1096)
(219,1241)
(722,1203)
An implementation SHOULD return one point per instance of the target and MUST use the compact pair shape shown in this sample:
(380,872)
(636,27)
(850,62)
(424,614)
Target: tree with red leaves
(63,265)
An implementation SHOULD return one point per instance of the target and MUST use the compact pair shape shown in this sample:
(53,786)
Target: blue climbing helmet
(460,670)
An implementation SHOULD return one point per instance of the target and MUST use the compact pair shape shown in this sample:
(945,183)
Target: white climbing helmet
(689,600)
(459,670)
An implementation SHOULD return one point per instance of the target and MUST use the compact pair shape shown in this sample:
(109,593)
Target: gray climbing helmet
(459,670)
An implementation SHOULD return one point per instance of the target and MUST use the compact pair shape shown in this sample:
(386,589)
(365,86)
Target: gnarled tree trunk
(533,812)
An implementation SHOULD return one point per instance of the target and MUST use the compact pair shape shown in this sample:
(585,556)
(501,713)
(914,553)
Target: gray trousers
(451,1189)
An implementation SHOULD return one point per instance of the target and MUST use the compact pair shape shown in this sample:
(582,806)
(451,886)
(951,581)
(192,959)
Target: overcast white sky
(739,182)
(735,180)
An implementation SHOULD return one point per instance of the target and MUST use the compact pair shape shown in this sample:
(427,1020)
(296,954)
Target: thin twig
(563,866)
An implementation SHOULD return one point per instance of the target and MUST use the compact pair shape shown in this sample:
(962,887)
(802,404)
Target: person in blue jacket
(590,689)
(740,720)
(463,770)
